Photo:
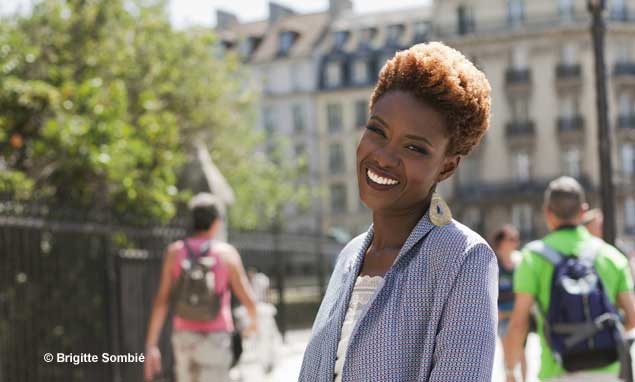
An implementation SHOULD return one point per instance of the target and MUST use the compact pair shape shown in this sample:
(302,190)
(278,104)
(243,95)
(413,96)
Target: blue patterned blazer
(433,318)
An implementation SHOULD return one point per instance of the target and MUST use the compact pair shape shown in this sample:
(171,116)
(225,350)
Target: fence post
(280,259)
(114,306)
(320,266)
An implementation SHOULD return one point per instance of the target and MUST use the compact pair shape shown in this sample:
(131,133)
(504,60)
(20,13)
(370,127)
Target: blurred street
(290,359)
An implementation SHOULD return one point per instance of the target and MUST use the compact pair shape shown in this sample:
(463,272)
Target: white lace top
(362,292)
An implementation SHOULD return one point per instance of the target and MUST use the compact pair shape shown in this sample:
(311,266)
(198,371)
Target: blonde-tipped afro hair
(443,78)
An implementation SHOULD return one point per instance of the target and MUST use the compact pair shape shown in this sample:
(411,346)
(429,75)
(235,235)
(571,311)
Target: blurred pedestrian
(196,278)
(259,284)
(414,298)
(577,281)
(505,241)
(593,220)
(266,344)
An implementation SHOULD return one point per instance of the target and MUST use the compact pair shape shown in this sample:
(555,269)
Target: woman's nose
(386,157)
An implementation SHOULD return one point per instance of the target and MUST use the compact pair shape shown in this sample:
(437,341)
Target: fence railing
(72,283)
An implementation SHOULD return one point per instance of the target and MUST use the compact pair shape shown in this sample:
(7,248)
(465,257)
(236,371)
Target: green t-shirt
(533,276)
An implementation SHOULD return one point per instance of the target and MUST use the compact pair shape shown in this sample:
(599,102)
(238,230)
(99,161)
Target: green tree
(101,100)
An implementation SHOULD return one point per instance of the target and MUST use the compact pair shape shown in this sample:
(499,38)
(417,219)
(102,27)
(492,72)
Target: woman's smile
(380,180)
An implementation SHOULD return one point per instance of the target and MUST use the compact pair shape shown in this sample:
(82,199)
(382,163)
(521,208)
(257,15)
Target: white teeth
(380,179)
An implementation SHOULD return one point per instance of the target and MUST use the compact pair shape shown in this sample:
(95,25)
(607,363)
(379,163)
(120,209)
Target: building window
(334,117)
(298,118)
(629,215)
(521,166)
(465,19)
(366,36)
(571,161)
(340,39)
(568,54)
(295,75)
(565,9)
(569,106)
(618,9)
(249,45)
(285,41)
(336,158)
(622,52)
(339,203)
(421,30)
(269,119)
(333,74)
(393,33)
(515,12)
(625,104)
(519,58)
(627,157)
(523,220)
(361,113)
(519,109)
(300,150)
(360,71)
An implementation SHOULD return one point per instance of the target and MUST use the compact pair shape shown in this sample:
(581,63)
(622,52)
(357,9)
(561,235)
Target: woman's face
(402,154)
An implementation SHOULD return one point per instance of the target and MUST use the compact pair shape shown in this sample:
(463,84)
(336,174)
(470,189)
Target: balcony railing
(626,121)
(574,123)
(568,71)
(517,76)
(501,25)
(520,128)
(624,69)
(510,189)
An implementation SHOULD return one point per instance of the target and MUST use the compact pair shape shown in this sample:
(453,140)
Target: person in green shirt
(564,206)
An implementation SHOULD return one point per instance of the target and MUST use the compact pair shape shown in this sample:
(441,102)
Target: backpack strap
(581,331)
(591,250)
(188,250)
(550,254)
(204,249)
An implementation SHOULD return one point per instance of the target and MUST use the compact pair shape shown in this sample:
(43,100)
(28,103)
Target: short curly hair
(446,80)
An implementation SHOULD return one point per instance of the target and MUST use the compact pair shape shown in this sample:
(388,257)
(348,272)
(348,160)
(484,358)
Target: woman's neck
(391,230)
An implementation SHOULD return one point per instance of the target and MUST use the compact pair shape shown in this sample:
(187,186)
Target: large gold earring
(440,213)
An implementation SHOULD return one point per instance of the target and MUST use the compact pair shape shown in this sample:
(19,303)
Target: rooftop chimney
(277,11)
(225,20)
(336,7)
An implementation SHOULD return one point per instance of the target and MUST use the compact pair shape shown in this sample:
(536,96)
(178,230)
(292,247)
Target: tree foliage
(101,100)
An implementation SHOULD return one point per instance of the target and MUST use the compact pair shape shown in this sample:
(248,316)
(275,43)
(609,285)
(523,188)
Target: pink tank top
(224,322)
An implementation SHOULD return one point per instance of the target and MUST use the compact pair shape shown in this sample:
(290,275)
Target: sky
(201,12)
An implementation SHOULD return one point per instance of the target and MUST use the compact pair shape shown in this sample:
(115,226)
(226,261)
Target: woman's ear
(450,163)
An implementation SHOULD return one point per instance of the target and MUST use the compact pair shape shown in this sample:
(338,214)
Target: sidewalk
(287,368)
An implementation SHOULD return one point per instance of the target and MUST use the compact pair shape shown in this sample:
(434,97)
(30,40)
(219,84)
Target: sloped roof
(243,30)
(309,28)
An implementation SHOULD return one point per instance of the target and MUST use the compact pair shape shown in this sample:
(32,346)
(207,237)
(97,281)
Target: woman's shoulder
(449,247)
(459,237)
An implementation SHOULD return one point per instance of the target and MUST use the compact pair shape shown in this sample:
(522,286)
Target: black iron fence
(78,284)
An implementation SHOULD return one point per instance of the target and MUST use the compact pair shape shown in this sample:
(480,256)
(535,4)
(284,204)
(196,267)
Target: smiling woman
(413,298)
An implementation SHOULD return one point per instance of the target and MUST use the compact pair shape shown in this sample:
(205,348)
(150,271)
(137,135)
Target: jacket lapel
(336,319)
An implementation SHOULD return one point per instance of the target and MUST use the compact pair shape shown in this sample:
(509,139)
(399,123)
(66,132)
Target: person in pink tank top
(202,349)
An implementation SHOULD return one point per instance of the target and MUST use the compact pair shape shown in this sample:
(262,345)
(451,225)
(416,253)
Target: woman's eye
(418,149)
(376,130)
